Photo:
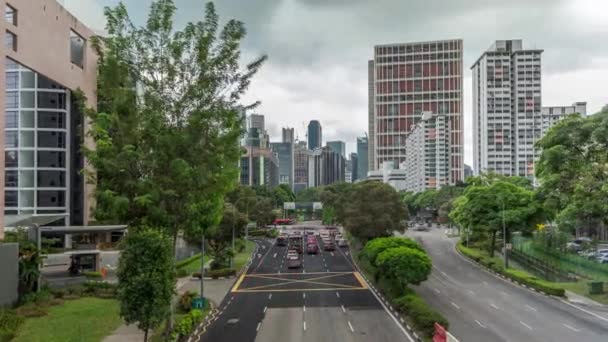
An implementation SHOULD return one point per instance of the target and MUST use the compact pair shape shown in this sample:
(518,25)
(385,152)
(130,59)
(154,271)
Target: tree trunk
(493,245)
(171,319)
(146,335)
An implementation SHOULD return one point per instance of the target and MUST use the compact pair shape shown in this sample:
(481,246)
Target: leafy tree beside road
(146,278)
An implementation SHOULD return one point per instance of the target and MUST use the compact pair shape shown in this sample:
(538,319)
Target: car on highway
(294,261)
(329,246)
(341,243)
(292,253)
(282,240)
(312,248)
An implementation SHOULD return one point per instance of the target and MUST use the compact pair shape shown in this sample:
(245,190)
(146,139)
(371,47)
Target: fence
(564,262)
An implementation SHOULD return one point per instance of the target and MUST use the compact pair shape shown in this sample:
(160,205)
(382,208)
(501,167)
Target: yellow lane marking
(296,290)
(238,282)
(337,286)
(360,279)
(295,274)
(298,280)
(306,281)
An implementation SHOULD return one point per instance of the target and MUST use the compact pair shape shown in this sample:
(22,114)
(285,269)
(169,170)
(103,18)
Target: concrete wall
(9,272)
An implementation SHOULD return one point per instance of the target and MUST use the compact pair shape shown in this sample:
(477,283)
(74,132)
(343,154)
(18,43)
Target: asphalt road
(325,300)
(482,307)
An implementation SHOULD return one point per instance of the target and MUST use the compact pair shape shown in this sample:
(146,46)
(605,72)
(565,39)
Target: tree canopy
(373,209)
(167,126)
(573,169)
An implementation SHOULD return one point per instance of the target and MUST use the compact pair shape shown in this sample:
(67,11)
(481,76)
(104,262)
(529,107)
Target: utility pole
(202,266)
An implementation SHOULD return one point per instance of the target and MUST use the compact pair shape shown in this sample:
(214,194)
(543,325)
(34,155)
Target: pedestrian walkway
(578,299)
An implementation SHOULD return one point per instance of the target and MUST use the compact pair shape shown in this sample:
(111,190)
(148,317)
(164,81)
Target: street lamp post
(504,235)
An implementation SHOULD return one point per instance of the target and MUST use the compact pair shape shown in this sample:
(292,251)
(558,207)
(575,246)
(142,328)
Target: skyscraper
(315,135)
(362,156)
(338,147)
(354,160)
(370,155)
(288,135)
(409,79)
(285,154)
(301,157)
(507,109)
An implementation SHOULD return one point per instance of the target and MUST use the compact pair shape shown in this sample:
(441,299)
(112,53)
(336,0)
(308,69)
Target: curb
(393,311)
(505,278)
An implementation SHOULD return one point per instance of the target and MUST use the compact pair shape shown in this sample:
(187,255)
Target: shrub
(180,273)
(272,233)
(56,301)
(92,275)
(100,289)
(40,297)
(187,324)
(185,301)
(376,246)
(222,272)
(404,265)
(58,293)
(422,316)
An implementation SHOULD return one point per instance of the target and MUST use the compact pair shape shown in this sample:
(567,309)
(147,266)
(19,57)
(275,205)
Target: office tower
(338,147)
(354,160)
(47,57)
(410,79)
(315,135)
(507,119)
(256,132)
(427,161)
(325,167)
(362,156)
(300,167)
(285,154)
(255,121)
(259,166)
(288,135)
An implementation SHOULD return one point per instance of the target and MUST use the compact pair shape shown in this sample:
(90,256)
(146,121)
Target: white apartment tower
(507,118)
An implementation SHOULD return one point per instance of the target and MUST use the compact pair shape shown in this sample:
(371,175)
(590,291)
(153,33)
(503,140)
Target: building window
(51,198)
(10,159)
(10,198)
(11,179)
(10,40)
(11,139)
(11,119)
(12,80)
(77,44)
(10,15)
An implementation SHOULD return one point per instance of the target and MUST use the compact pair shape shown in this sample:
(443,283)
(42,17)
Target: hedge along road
(325,300)
(483,307)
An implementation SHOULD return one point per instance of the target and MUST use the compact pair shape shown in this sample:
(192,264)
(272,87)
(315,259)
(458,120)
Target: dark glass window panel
(51,178)
(51,159)
(51,198)
(11,179)
(11,199)
(11,139)
(11,159)
(12,80)
(11,119)
(46,83)
(51,100)
(51,139)
(51,120)
(12,99)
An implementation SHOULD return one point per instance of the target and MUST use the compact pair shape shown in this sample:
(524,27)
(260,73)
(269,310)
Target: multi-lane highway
(325,300)
(481,307)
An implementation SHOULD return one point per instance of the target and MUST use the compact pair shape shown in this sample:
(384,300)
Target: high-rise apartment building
(409,79)
(362,157)
(370,155)
(338,147)
(552,115)
(288,135)
(507,118)
(427,162)
(47,56)
(315,135)
(285,154)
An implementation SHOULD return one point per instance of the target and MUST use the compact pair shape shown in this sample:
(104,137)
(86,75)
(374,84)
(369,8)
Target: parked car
(341,243)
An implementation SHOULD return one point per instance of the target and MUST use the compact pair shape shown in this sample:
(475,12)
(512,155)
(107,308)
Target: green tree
(334,198)
(167,127)
(261,212)
(484,208)
(282,194)
(404,265)
(242,197)
(30,260)
(146,278)
(220,239)
(376,246)
(573,171)
(309,195)
(373,209)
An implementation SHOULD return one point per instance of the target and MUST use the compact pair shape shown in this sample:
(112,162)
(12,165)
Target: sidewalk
(578,299)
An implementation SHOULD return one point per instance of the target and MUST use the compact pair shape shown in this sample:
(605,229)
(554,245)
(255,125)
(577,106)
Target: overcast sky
(318,49)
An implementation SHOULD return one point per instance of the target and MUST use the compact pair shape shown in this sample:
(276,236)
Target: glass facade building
(38,133)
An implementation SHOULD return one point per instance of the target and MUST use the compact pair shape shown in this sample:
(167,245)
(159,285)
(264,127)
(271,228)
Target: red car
(282,221)
(312,248)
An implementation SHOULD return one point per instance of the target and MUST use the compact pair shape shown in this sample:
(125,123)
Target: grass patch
(240,259)
(85,319)
(580,287)
(193,264)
